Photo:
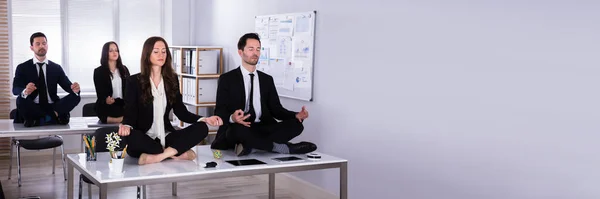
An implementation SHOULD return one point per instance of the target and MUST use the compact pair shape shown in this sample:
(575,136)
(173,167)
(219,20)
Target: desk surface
(176,170)
(94,122)
(77,125)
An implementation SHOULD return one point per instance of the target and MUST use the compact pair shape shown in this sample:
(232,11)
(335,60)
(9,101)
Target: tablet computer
(287,159)
(245,162)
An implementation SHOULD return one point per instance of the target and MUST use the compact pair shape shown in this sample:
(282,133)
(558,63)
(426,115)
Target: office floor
(37,179)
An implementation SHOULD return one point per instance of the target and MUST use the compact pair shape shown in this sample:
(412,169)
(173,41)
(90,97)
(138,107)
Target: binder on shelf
(208,62)
(207,90)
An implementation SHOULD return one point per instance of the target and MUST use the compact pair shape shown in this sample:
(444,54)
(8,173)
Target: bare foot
(188,155)
(148,159)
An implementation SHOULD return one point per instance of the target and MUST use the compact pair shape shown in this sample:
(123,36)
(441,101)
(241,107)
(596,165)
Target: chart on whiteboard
(287,52)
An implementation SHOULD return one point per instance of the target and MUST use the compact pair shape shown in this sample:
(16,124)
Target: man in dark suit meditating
(248,99)
(35,84)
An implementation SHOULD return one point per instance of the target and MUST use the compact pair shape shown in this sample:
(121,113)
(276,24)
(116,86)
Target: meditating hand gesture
(124,130)
(213,120)
(75,87)
(110,100)
(30,88)
(302,115)
(239,117)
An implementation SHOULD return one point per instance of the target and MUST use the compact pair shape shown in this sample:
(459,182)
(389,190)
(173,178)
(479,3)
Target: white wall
(180,22)
(445,99)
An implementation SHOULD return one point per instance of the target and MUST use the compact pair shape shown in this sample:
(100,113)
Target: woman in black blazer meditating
(109,80)
(150,97)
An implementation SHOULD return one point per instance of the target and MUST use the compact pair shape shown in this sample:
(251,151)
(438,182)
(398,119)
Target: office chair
(35,144)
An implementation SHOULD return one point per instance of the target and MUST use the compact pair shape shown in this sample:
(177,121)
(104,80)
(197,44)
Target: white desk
(77,125)
(94,122)
(179,171)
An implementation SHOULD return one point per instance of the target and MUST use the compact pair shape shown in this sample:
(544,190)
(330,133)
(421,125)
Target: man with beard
(248,99)
(35,84)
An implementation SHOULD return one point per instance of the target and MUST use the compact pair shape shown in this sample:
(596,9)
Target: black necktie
(41,85)
(251,109)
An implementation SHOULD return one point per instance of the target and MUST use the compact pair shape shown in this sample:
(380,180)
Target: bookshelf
(198,69)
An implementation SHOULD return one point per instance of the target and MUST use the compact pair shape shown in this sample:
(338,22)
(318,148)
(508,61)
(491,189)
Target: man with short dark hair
(248,99)
(35,83)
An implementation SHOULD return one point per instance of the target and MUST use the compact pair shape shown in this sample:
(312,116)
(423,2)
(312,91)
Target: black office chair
(101,147)
(89,110)
(35,144)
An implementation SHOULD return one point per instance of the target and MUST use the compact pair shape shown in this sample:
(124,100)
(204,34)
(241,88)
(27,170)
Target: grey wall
(180,22)
(440,99)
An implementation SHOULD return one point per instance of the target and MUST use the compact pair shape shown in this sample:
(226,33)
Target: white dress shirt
(37,99)
(117,85)
(255,93)
(159,105)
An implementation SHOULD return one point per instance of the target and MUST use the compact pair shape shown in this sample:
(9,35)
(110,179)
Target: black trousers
(113,110)
(181,140)
(262,136)
(30,110)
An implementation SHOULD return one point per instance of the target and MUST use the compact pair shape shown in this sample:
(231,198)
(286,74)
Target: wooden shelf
(202,76)
(181,58)
(207,76)
(212,104)
(212,132)
(186,75)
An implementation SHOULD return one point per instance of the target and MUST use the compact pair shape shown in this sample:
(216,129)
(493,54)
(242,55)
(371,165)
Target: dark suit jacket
(140,115)
(27,72)
(231,96)
(103,84)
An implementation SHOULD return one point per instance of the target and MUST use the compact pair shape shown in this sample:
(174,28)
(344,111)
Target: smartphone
(287,159)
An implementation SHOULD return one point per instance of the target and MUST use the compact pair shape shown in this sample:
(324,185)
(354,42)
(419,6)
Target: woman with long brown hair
(150,96)
(109,80)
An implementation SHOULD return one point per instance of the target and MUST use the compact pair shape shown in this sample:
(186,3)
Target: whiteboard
(287,52)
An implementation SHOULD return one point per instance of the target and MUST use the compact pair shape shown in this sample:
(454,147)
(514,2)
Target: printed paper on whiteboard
(286,27)
(284,47)
(273,27)
(262,27)
(273,48)
(302,78)
(302,47)
(277,69)
(298,64)
(303,25)
(289,79)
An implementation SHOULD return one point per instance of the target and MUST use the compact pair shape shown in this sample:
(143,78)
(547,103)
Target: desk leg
(1,192)
(344,180)
(70,176)
(103,191)
(174,189)
(271,186)
(144,192)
